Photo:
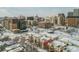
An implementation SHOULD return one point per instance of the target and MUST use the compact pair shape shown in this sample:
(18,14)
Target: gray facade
(76,12)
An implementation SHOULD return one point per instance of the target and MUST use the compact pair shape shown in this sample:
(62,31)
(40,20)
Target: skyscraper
(70,13)
(76,12)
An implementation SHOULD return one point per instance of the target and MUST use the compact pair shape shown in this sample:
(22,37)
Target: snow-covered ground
(62,38)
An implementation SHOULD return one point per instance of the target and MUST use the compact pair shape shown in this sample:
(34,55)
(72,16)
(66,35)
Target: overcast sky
(30,11)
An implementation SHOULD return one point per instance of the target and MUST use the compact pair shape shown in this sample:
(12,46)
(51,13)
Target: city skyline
(28,33)
(32,11)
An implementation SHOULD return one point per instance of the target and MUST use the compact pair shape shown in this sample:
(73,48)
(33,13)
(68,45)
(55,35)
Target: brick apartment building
(44,24)
(72,21)
(14,23)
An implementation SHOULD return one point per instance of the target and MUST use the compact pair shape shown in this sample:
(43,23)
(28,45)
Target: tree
(2,47)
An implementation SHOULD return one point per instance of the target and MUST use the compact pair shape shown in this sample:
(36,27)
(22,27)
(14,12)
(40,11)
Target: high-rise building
(21,22)
(44,24)
(6,22)
(73,18)
(76,12)
(61,19)
(72,21)
(70,13)
(36,18)
(55,20)
(14,23)
(30,20)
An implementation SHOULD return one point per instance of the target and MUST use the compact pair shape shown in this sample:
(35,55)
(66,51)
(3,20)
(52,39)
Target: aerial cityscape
(39,29)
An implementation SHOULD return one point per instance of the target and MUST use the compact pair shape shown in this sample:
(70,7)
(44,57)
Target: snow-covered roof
(9,42)
(65,39)
(1,43)
(73,48)
(16,49)
(53,36)
(58,43)
(12,46)
(75,42)
(41,50)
